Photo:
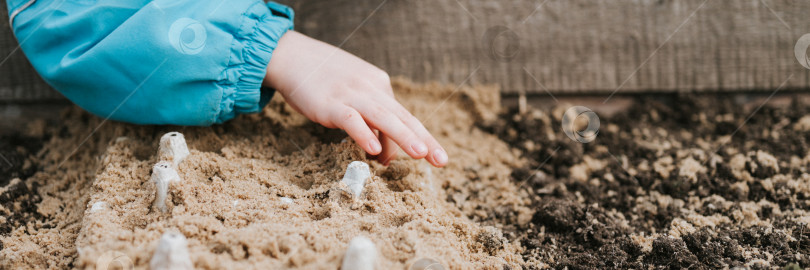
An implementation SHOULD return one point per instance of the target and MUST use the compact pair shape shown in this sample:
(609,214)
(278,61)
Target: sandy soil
(229,203)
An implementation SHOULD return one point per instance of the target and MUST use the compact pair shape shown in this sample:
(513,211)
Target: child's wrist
(278,60)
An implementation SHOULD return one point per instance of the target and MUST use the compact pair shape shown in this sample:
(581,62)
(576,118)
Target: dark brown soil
(594,223)
(19,201)
(15,151)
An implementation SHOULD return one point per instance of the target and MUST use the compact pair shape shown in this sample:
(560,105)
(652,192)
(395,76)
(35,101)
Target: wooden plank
(577,46)
(564,47)
(19,82)
(18,117)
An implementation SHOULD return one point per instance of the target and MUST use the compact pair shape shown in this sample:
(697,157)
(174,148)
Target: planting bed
(678,182)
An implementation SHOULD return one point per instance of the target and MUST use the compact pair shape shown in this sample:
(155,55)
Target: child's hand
(339,90)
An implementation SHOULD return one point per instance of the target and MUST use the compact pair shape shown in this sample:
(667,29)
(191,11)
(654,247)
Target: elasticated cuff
(251,51)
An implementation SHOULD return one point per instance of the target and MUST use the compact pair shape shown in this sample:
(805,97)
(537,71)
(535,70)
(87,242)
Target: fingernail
(374,146)
(440,156)
(419,148)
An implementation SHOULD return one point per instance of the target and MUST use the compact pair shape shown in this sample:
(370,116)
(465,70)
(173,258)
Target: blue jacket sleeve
(181,62)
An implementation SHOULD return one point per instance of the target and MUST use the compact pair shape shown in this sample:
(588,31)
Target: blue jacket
(181,62)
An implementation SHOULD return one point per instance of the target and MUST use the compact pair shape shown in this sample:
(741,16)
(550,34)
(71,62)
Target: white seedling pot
(173,148)
(163,173)
(361,255)
(355,178)
(171,253)
(98,206)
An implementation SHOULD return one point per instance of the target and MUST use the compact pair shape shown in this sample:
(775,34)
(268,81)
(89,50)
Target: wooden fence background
(18,80)
(563,47)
